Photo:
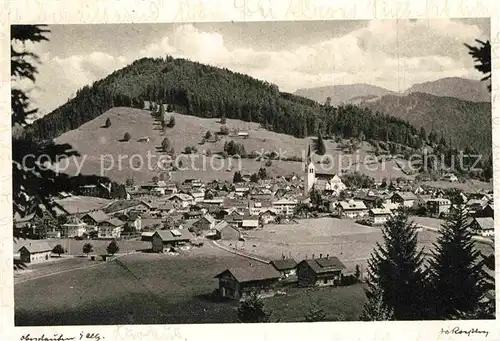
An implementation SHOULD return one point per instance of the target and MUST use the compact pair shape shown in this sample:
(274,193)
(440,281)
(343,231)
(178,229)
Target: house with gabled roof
(379,216)
(352,209)
(110,229)
(323,271)
(237,283)
(181,200)
(483,226)
(226,231)
(405,199)
(287,267)
(35,252)
(163,240)
(205,223)
(94,218)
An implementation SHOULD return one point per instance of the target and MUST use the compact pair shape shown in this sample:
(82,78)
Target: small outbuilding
(35,252)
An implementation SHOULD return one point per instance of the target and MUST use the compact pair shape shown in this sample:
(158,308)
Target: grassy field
(158,289)
(350,242)
(96,143)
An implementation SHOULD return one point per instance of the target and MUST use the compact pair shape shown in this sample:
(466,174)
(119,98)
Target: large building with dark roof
(324,271)
(237,283)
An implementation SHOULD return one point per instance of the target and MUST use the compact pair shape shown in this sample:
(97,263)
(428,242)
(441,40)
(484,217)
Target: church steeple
(310,172)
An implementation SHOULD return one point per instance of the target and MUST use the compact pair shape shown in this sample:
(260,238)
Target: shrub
(268,163)
(126,137)
(224,130)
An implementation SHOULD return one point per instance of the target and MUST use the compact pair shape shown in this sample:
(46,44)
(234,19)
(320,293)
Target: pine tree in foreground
(251,310)
(457,278)
(315,314)
(376,309)
(396,279)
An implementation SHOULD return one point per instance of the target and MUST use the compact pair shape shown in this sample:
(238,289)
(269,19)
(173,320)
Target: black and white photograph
(252,172)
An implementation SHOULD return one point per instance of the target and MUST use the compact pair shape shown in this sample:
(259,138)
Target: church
(322,180)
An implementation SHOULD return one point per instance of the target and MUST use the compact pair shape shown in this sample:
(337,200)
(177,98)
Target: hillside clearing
(122,160)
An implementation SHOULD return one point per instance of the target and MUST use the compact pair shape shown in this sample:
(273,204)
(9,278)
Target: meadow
(161,289)
(122,159)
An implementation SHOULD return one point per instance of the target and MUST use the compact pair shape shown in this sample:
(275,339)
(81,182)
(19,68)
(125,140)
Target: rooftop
(252,273)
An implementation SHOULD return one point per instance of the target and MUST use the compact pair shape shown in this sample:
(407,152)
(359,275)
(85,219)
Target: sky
(393,54)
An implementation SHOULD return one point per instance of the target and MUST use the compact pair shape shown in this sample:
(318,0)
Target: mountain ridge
(458,87)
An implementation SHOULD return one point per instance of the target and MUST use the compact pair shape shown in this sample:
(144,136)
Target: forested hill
(206,91)
(465,124)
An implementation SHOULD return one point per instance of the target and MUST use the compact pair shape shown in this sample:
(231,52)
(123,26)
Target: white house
(352,209)
(379,216)
(285,206)
(72,230)
(110,229)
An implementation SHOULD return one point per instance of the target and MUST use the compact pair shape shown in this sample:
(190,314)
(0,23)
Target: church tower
(310,173)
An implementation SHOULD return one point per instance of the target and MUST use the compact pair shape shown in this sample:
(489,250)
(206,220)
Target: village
(254,220)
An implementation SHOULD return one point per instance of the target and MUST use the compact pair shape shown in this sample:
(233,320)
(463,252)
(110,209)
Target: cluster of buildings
(220,209)
(268,279)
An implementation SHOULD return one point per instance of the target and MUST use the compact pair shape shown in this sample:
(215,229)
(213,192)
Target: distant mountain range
(461,88)
(461,108)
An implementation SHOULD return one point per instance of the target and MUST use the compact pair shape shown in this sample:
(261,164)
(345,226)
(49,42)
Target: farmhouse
(438,206)
(166,239)
(320,272)
(35,252)
(483,226)
(287,267)
(94,218)
(110,229)
(205,223)
(406,199)
(237,283)
(226,231)
(181,200)
(352,209)
(379,216)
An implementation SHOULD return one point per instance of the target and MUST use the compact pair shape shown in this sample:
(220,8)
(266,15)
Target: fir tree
(315,197)
(112,247)
(395,271)
(165,144)
(376,309)
(320,145)
(251,310)
(457,276)
(237,178)
(108,123)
